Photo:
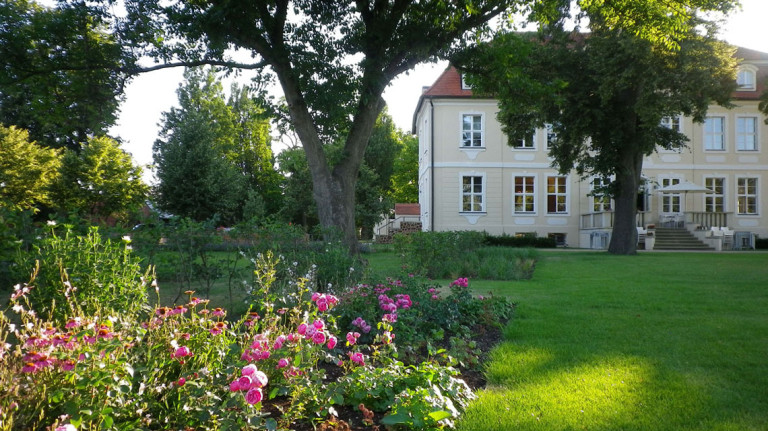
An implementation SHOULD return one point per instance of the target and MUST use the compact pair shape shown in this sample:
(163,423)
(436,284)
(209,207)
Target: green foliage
(520,241)
(454,254)
(405,176)
(99,181)
(82,275)
(423,397)
(214,155)
(27,170)
(59,75)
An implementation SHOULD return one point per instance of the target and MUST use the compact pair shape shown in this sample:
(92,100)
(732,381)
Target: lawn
(658,341)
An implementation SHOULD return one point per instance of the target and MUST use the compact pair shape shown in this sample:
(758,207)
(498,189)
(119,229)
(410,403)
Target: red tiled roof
(407,209)
(448,85)
(752,56)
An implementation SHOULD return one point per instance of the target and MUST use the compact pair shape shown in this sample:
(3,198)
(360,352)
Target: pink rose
(282,363)
(302,329)
(253,396)
(331,342)
(259,380)
(234,386)
(245,383)
(318,338)
(248,370)
(182,381)
(319,325)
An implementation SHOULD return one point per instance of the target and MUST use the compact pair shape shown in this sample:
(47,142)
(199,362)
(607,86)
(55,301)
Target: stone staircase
(678,239)
(406,227)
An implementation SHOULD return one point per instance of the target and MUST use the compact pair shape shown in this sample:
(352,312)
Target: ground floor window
(670,202)
(472,193)
(714,202)
(746,195)
(525,197)
(557,195)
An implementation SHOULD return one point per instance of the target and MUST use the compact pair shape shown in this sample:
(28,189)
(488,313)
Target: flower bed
(375,354)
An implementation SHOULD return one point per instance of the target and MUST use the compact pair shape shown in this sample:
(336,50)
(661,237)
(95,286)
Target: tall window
(672,123)
(527,141)
(746,195)
(714,133)
(746,133)
(471,130)
(714,202)
(670,202)
(525,197)
(745,79)
(600,201)
(551,135)
(557,195)
(472,193)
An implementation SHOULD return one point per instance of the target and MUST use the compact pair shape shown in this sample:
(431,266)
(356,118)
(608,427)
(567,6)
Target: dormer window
(745,79)
(464,84)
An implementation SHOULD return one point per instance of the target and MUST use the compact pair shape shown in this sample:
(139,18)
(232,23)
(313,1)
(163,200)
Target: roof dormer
(746,78)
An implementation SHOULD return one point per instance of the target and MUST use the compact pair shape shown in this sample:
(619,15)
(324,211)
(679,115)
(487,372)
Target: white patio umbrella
(684,187)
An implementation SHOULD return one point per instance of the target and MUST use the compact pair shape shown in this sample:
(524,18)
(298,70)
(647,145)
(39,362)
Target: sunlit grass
(650,342)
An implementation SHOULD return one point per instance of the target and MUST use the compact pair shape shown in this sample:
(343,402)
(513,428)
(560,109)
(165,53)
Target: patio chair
(727,238)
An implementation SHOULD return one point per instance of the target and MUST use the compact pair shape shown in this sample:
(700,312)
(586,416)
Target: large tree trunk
(624,237)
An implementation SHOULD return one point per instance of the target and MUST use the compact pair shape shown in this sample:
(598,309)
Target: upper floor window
(746,133)
(746,196)
(714,133)
(672,123)
(464,84)
(745,79)
(472,130)
(525,194)
(472,193)
(557,195)
(526,142)
(551,134)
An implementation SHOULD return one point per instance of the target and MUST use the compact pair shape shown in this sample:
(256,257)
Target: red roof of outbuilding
(407,209)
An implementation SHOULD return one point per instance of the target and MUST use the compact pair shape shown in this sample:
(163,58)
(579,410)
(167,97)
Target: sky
(151,94)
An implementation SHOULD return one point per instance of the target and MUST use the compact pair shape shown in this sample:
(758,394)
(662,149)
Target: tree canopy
(27,170)
(59,71)
(100,181)
(213,151)
(605,94)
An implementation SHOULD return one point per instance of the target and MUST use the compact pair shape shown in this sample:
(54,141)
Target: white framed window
(527,142)
(549,129)
(472,131)
(714,202)
(746,133)
(673,123)
(464,84)
(714,133)
(745,78)
(472,193)
(746,196)
(670,202)
(525,194)
(600,201)
(557,195)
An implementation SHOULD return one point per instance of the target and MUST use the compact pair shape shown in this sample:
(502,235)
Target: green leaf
(56,397)
(397,418)
(107,421)
(440,415)
(271,424)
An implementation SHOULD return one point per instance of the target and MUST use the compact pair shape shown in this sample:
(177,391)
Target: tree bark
(624,237)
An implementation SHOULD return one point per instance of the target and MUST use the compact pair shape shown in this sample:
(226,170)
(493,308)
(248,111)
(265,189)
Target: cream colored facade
(471,179)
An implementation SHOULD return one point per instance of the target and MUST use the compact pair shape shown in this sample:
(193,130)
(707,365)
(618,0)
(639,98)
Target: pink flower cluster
(324,301)
(317,333)
(42,347)
(357,358)
(251,381)
(258,350)
(352,338)
(181,352)
(401,301)
(460,282)
(435,293)
(360,323)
